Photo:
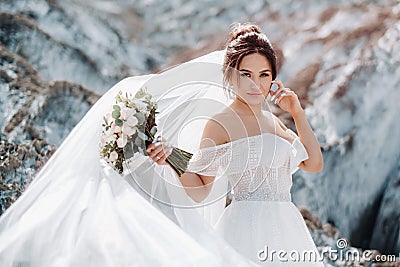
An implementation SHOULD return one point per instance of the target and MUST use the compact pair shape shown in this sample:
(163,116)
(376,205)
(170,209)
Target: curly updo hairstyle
(245,39)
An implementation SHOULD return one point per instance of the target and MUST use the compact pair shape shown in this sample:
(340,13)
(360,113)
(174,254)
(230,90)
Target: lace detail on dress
(258,167)
(298,153)
(209,161)
(272,185)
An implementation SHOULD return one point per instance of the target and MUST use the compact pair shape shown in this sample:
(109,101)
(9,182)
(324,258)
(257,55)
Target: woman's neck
(244,109)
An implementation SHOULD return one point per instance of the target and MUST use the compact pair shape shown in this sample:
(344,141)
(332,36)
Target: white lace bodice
(258,167)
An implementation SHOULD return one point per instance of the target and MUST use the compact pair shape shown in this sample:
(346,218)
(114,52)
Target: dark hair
(245,39)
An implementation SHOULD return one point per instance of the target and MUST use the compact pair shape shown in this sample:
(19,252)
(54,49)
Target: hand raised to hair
(285,98)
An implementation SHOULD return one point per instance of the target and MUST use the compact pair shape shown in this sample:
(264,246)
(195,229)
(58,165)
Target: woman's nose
(255,83)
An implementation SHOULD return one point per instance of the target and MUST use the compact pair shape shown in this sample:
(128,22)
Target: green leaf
(141,118)
(118,97)
(140,94)
(115,114)
(142,135)
(141,151)
(118,122)
(153,130)
(138,141)
(117,108)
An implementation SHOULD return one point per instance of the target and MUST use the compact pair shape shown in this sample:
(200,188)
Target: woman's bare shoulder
(276,120)
(280,127)
(215,132)
(224,116)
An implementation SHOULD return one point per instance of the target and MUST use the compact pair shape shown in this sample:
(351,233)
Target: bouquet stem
(179,160)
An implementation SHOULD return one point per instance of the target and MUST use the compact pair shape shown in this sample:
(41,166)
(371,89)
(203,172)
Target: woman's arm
(196,186)
(288,101)
(309,141)
(315,161)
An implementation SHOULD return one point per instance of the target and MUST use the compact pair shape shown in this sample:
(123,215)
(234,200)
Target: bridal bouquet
(130,127)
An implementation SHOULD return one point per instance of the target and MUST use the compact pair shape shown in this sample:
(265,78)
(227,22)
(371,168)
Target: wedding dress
(261,217)
(79,211)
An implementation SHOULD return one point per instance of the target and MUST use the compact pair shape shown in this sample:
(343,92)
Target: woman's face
(252,81)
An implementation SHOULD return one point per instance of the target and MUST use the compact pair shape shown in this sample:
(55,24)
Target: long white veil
(187,95)
(78,211)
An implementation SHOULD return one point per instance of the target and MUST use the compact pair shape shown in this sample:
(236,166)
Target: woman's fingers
(165,150)
(153,152)
(161,157)
(277,94)
(150,148)
(156,143)
(291,102)
(283,94)
(280,94)
(159,151)
(274,93)
(162,160)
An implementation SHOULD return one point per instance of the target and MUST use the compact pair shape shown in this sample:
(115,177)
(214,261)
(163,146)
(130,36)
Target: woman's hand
(159,151)
(286,99)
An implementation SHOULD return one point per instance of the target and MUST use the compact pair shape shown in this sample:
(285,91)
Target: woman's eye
(245,75)
(265,75)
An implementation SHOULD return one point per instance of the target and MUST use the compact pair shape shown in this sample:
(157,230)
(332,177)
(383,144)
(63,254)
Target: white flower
(121,142)
(112,127)
(109,132)
(132,121)
(110,138)
(127,130)
(140,105)
(103,140)
(113,156)
(117,129)
(127,113)
(109,135)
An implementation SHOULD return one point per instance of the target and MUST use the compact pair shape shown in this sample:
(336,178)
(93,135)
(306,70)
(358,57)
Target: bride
(79,211)
(257,153)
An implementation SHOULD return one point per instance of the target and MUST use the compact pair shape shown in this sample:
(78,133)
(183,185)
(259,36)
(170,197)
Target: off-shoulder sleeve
(209,161)
(297,154)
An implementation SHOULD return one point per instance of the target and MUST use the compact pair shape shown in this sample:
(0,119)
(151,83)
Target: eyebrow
(266,70)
